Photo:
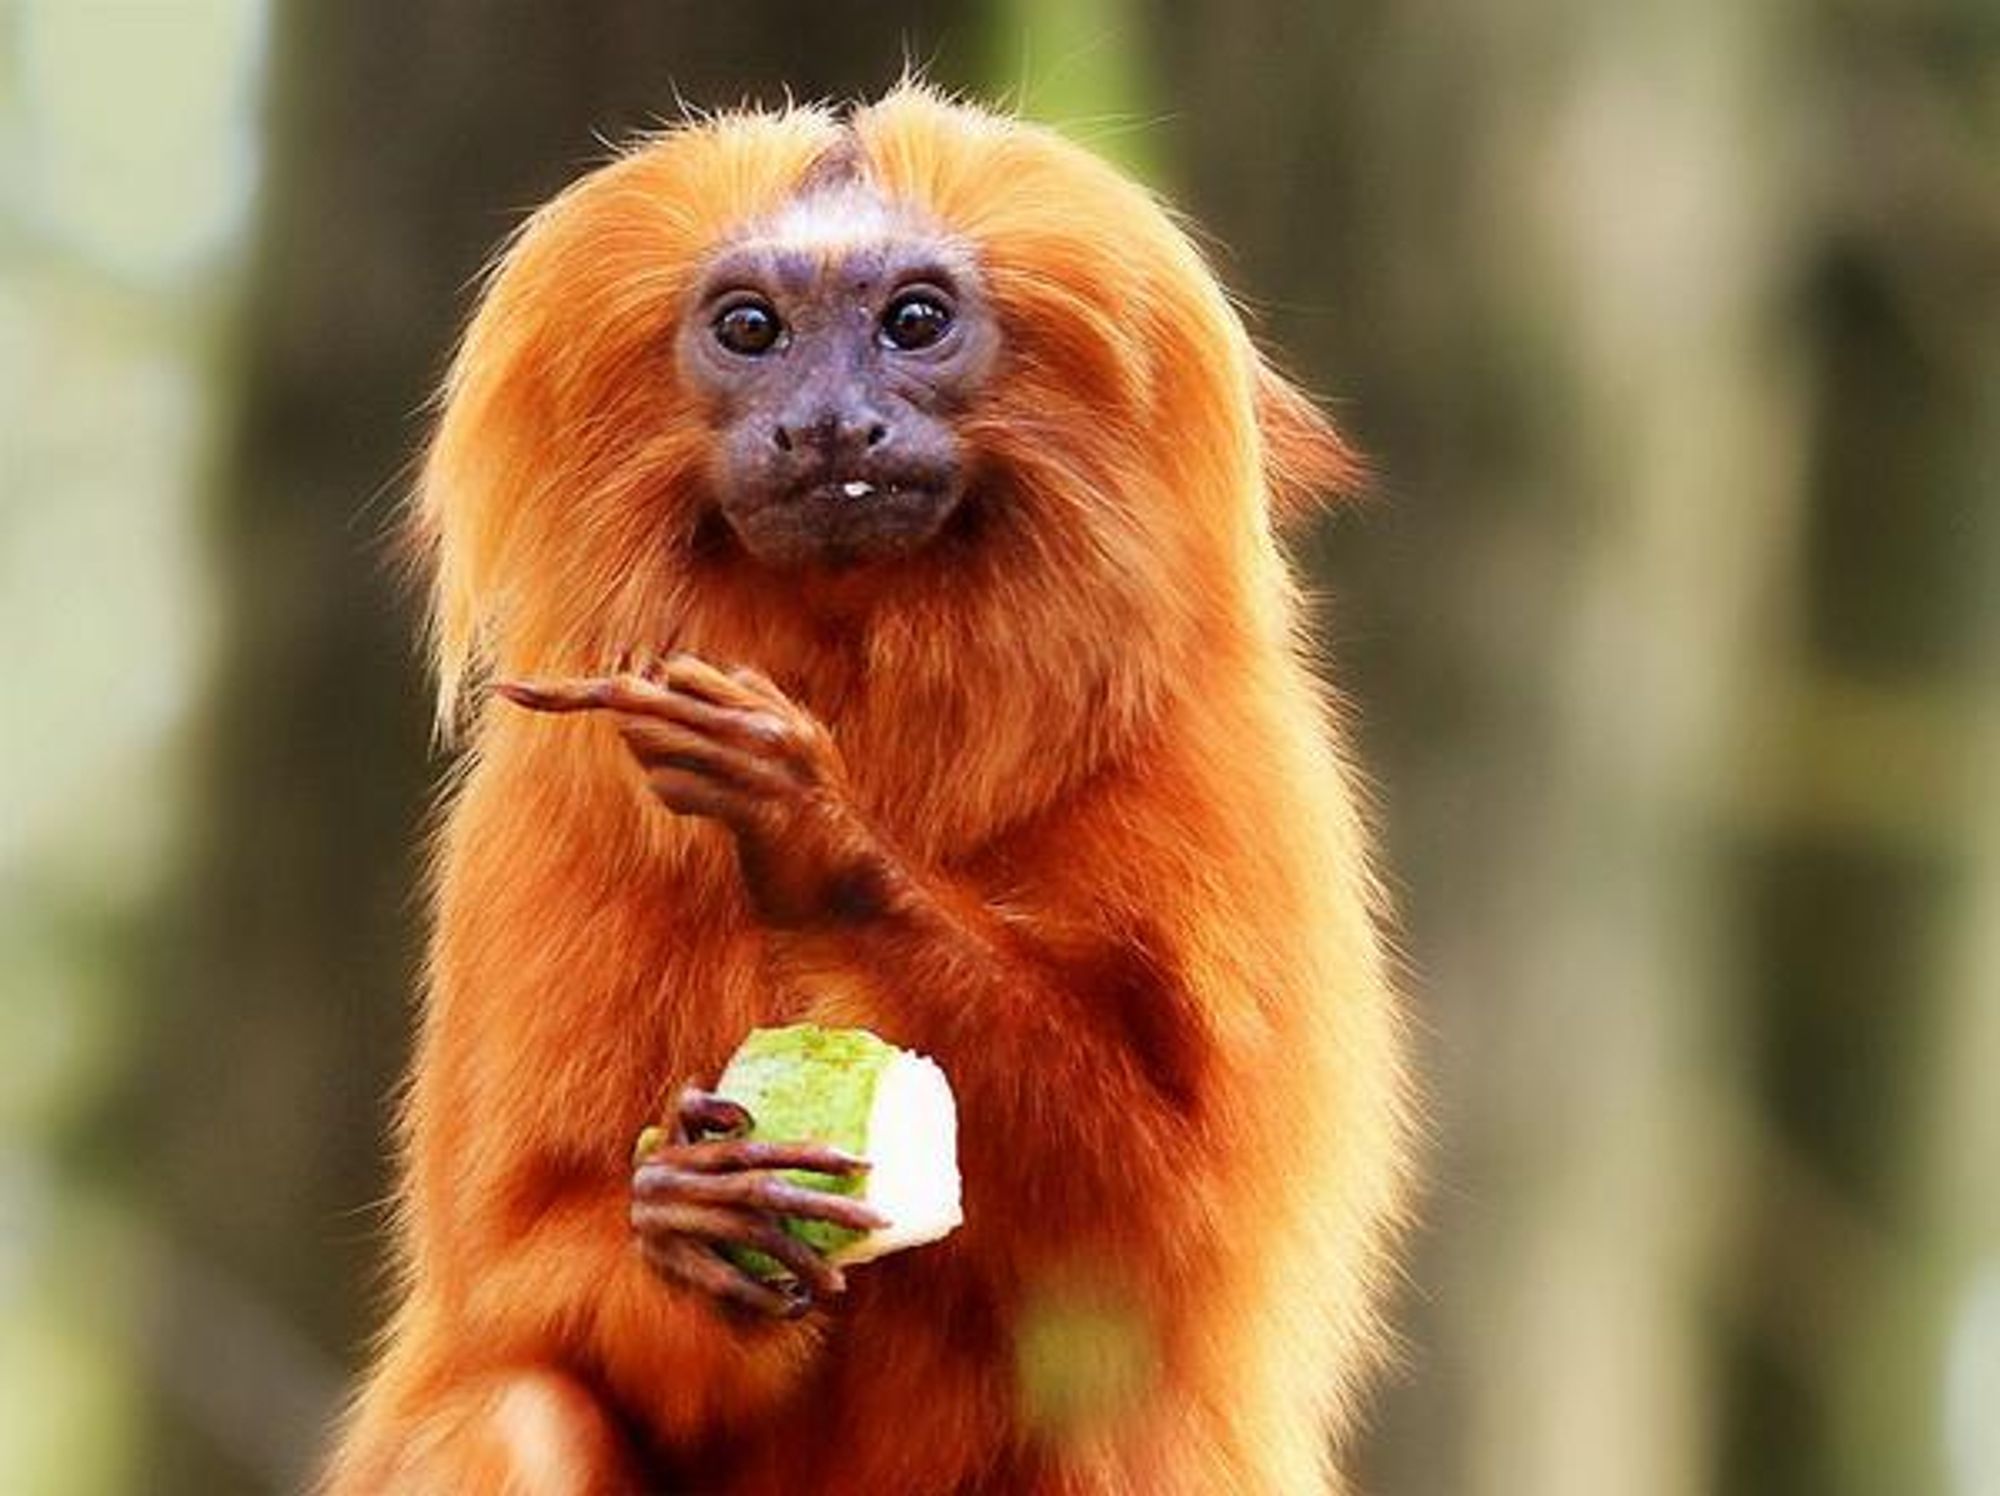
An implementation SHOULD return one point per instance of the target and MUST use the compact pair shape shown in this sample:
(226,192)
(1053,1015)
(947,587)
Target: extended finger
(586,693)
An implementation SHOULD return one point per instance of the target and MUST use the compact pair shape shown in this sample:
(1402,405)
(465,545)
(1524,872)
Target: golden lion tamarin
(867,524)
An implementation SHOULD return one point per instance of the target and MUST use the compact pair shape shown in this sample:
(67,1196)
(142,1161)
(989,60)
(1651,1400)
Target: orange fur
(1140,931)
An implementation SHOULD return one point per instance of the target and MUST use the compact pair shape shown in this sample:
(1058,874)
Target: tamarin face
(832,348)
(910,382)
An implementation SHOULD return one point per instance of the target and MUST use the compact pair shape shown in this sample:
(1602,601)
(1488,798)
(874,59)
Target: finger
(698,1262)
(821,1278)
(759,1190)
(760,686)
(669,745)
(623,693)
(758,727)
(539,696)
(750,1153)
(697,1267)
(704,1111)
(741,1228)
(693,674)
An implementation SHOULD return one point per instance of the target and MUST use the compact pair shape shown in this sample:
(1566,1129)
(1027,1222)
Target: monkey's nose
(831,434)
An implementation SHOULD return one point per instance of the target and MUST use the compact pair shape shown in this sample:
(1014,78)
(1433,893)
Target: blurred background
(1673,327)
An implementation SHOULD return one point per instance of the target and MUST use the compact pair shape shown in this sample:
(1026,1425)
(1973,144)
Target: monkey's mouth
(857,490)
(839,519)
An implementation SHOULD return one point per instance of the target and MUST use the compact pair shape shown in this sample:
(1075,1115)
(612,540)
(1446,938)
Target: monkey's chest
(909,1392)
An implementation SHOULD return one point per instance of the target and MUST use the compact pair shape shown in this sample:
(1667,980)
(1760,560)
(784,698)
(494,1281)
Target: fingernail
(648,1140)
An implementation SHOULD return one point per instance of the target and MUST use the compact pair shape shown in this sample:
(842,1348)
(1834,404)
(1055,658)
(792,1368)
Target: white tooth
(858,489)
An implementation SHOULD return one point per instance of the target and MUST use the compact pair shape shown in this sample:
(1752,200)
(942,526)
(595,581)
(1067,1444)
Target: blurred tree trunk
(1536,245)
(1871,1360)
(404,142)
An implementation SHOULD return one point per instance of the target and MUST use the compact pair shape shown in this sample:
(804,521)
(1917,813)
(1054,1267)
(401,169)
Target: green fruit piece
(851,1090)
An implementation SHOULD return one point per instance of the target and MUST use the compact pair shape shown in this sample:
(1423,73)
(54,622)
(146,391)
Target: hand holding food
(819,1149)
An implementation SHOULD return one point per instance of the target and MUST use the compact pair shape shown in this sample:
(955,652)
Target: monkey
(858,587)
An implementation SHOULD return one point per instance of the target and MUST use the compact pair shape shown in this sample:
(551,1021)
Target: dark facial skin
(832,375)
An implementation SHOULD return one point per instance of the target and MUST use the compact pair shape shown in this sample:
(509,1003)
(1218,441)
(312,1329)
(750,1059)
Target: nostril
(877,434)
(782,438)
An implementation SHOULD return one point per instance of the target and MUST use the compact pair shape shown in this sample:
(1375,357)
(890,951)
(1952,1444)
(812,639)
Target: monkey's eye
(914,320)
(749,327)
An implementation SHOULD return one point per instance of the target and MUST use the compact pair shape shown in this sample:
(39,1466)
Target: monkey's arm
(1047,1025)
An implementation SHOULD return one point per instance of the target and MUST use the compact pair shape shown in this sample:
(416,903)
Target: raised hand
(731,746)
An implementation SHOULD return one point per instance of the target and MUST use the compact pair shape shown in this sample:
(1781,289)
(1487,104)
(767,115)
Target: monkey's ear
(1307,462)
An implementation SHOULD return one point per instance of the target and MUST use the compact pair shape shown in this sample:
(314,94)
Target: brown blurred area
(1672,631)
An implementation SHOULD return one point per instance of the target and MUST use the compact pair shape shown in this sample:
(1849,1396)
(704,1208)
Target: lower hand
(704,1186)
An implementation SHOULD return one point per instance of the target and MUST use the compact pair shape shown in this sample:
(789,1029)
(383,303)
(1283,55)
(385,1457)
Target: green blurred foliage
(1083,1357)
